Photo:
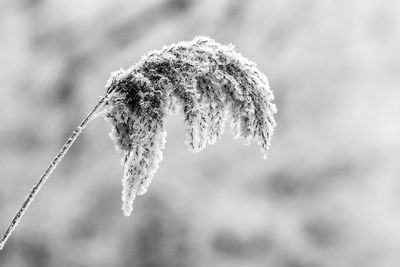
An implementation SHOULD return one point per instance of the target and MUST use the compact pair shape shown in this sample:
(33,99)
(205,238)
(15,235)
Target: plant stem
(36,188)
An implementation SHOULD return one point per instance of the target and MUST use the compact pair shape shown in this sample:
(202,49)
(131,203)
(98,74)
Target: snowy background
(327,196)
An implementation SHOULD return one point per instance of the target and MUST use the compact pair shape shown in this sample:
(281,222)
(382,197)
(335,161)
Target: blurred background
(328,194)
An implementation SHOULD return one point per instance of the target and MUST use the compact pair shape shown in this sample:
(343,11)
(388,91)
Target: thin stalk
(36,188)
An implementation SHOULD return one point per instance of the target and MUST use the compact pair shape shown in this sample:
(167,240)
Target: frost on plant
(211,83)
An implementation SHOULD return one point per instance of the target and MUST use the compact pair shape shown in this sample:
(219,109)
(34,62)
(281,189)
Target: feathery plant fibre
(210,83)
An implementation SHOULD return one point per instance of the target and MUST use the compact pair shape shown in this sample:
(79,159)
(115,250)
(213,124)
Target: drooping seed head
(212,85)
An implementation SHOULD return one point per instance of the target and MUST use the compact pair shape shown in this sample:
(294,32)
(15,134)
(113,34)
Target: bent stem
(36,188)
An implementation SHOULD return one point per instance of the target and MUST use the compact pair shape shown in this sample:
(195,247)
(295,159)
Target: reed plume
(211,83)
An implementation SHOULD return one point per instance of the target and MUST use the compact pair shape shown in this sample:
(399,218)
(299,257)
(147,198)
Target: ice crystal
(211,83)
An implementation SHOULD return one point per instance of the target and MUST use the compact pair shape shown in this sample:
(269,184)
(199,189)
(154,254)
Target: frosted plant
(212,85)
